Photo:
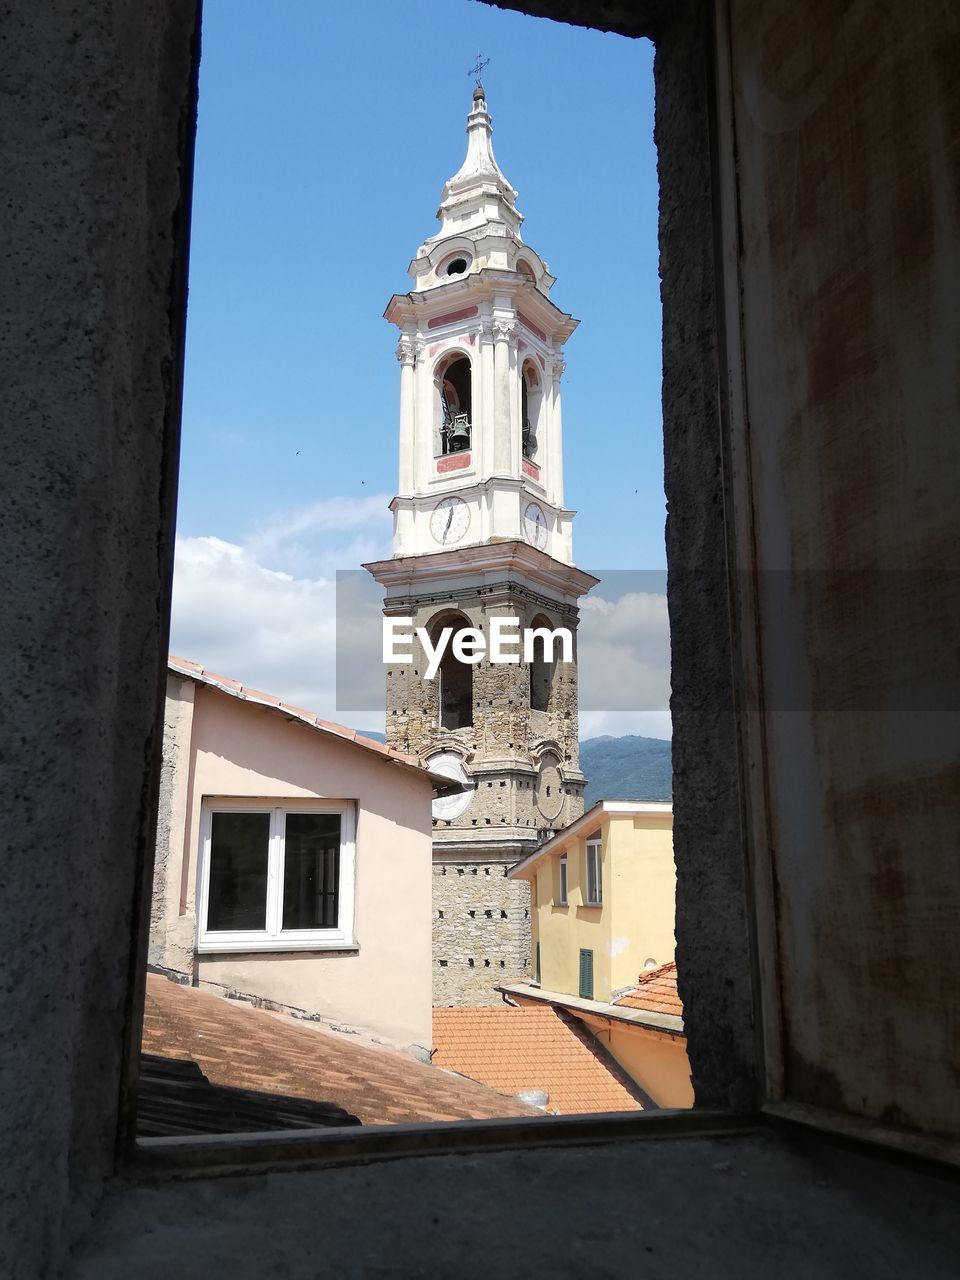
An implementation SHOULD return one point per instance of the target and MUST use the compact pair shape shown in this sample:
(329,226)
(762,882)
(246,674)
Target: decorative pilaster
(407,356)
(557,366)
(484,445)
(504,331)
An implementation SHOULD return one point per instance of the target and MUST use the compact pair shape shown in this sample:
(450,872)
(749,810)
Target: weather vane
(477,67)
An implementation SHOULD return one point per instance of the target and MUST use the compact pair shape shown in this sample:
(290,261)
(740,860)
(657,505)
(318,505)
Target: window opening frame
(593,878)
(246,1150)
(274,937)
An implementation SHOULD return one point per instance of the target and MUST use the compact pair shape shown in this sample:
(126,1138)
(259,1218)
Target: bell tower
(481,532)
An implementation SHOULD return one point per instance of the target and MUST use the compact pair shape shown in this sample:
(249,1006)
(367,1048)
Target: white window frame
(273,938)
(563,894)
(594,854)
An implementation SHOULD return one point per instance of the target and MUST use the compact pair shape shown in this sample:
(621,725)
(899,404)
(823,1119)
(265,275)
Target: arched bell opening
(542,666)
(454,678)
(531,407)
(455,418)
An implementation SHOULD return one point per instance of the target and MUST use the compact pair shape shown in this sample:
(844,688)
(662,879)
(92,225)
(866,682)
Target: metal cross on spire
(477,68)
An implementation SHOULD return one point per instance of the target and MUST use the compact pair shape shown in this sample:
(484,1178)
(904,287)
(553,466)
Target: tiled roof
(194,671)
(656,992)
(174,1097)
(238,1045)
(533,1047)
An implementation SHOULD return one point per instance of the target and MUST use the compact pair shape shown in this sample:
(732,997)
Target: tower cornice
(483,287)
(491,562)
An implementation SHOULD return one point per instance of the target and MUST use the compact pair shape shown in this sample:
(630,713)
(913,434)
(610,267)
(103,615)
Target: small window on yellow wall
(562,881)
(594,877)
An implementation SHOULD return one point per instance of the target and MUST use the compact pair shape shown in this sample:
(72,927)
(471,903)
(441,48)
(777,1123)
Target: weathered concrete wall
(172,932)
(727,1208)
(714,959)
(94,143)
(848,454)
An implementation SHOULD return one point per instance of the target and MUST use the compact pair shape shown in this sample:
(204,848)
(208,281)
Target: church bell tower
(481,531)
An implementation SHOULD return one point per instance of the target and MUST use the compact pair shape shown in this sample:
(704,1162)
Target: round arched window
(457,267)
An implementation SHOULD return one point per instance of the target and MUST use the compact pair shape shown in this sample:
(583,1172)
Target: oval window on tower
(456,266)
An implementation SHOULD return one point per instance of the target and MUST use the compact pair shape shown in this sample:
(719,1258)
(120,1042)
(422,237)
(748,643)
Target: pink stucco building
(293,860)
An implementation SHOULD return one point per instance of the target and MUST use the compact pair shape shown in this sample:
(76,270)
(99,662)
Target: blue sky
(325,136)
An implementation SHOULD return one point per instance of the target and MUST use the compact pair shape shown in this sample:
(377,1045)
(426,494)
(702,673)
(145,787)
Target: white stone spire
(480,351)
(479,191)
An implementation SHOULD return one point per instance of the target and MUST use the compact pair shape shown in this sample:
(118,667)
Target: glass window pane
(239,850)
(593,873)
(311,871)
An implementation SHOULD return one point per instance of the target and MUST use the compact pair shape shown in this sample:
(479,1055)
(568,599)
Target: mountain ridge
(629,767)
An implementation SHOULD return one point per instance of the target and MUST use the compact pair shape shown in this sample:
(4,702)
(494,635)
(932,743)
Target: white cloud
(264,612)
(624,661)
(255,612)
(311,541)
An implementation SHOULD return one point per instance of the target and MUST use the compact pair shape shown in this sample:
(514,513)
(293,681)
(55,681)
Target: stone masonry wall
(525,768)
(481,931)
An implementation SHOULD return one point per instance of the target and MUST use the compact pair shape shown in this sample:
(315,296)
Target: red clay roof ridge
(246,693)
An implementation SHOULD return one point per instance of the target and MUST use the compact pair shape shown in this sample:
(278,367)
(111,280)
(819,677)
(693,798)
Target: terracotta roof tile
(533,1047)
(656,992)
(270,699)
(238,1045)
(300,712)
(185,667)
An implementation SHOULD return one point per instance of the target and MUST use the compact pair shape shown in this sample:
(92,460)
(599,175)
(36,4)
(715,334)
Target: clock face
(535,525)
(449,521)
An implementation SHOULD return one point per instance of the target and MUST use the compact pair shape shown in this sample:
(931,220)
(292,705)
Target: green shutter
(538,963)
(586,974)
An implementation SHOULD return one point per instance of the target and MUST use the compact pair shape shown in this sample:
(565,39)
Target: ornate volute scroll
(407,350)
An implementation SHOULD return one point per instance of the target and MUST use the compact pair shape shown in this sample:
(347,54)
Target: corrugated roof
(656,992)
(237,1045)
(533,1047)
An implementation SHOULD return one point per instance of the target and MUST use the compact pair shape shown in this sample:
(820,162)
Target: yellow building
(602,899)
(603,894)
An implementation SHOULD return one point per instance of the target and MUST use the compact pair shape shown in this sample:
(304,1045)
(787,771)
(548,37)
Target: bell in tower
(482,544)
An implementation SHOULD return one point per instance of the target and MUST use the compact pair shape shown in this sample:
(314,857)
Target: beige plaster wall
(238,749)
(657,1062)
